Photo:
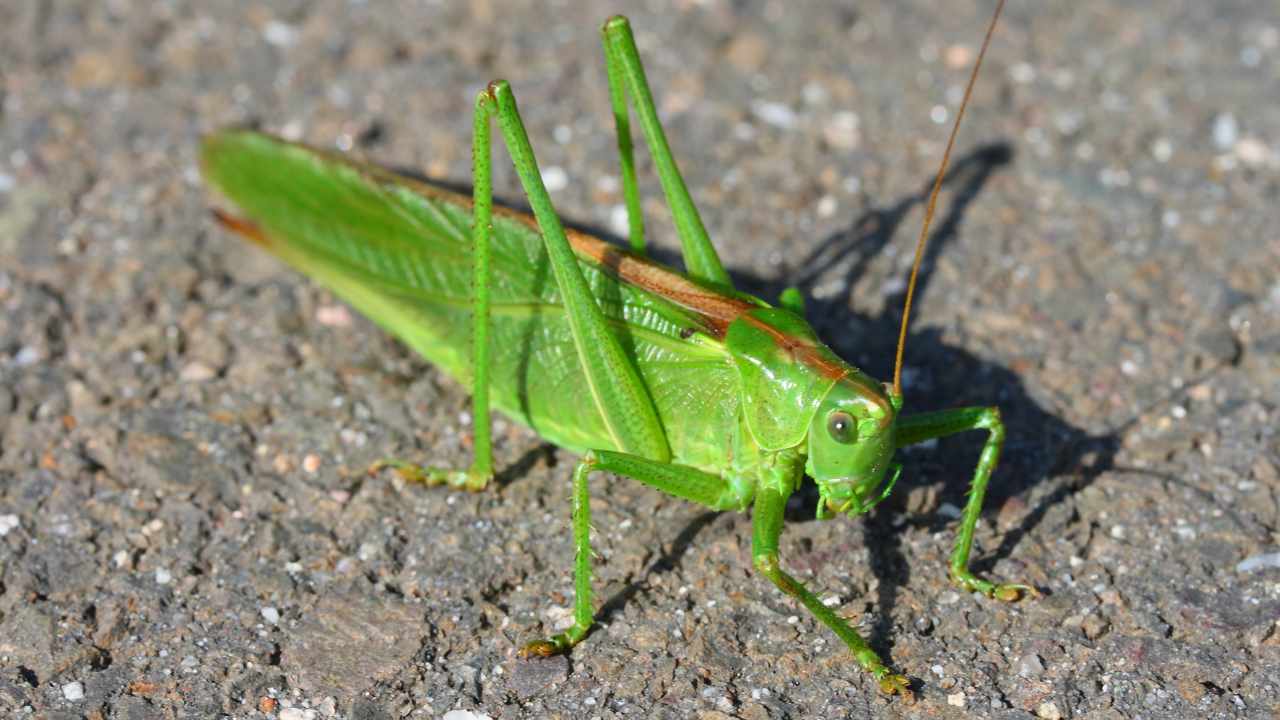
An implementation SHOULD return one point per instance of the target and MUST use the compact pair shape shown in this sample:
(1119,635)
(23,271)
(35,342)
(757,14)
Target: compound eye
(841,427)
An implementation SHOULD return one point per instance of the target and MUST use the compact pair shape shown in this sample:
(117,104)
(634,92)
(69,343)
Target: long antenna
(933,202)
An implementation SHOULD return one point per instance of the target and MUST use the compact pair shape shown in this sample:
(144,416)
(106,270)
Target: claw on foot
(893,684)
(1013,592)
(1007,592)
(462,479)
(540,648)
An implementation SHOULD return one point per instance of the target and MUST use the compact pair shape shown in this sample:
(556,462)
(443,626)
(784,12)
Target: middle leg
(678,480)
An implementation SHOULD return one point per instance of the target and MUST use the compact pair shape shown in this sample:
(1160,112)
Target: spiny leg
(767,522)
(611,376)
(927,426)
(678,480)
(626,76)
(476,477)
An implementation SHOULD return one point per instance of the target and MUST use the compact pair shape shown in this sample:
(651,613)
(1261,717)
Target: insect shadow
(1039,447)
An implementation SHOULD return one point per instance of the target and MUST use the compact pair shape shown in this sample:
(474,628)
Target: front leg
(679,480)
(927,426)
(767,527)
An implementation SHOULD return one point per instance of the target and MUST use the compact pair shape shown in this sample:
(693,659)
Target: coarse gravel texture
(186,527)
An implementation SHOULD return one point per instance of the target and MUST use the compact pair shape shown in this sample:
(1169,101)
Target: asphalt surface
(186,528)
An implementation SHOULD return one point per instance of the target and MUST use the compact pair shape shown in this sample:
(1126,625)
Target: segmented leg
(477,477)
(626,76)
(678,480)
(767,522)
(927,426)
(612,378)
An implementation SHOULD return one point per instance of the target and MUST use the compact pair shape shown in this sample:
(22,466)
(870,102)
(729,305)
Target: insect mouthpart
(854,496)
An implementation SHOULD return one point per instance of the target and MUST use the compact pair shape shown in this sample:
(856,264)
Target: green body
(671,379)
(401,253)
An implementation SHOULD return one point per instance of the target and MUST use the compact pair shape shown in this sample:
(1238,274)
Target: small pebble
(271,615)
(1030,665)
(26,356)
(1048,711)
(619,221)
(464,715)
(333,315)
(298,714)
(842,131)
(555,178)
(827,206)
(279,34)
(163,576)
(1269,561)
(1226,131)
(8,523)
(956,699)
(775,114)
(197,372)
(73,691)
(1252,151)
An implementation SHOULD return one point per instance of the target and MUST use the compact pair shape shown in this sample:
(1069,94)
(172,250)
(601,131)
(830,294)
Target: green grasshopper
(672,379)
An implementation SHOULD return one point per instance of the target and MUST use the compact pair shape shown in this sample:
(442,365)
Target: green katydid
(672,379)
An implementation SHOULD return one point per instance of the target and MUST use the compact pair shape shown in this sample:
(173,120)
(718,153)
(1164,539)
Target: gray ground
(185,526)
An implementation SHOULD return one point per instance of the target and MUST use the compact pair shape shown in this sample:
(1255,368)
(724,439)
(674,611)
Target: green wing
(399,251)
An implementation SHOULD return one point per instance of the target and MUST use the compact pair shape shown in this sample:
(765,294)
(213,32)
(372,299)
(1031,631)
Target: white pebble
(25,356)
(1252,151)
(555,178)
(1162,149)
(842,131)
(619,220)
(197,372)
(279,34)
(1269,561)
(1023,73)
(7,523)
(1048,711)
(774,113)
(163,576)
(956,699)
(73,691)
(464,715)
(947,510)
(298,714)
(1225,131)
(271,615)
(827,206)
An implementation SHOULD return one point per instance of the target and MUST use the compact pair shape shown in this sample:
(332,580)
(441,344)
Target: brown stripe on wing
(247,229)
(716,309)
(802,349)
